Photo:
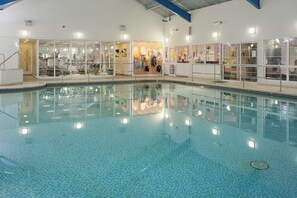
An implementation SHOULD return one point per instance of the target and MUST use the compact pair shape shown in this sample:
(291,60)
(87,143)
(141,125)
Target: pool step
(7,166)
(166,158)
(130,172)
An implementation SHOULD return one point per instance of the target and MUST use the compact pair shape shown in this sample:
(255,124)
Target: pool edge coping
(53,84)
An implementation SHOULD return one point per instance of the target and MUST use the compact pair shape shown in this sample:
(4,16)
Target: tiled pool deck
(274,89)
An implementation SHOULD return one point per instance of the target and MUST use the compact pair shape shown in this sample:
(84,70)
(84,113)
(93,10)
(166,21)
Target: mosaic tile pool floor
(146,140)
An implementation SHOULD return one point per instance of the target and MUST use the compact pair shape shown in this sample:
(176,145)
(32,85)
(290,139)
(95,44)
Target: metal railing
(3,55)
(243,75)
(101,72)
(240,73)
(5,60)
(213,74)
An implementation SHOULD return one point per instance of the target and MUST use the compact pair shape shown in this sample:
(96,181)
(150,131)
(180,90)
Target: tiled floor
(30,82)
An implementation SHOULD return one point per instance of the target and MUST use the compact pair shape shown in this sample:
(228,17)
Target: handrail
(240,75)
(89,74)
(214,74)
(17,52)
(3,58)
(262,66)
(16,118)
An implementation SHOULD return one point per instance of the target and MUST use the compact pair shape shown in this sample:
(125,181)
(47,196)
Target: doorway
(28,56)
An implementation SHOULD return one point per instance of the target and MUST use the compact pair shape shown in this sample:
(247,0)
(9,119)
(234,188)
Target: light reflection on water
(164,132)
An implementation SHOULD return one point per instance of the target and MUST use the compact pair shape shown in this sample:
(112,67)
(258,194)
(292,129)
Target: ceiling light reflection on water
(138,135)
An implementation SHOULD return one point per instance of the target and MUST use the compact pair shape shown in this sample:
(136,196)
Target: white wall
(100,20)
(276,19)
(8,46)
(96,19)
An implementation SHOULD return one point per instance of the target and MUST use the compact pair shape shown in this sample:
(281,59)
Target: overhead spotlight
(215,34)
(24,33)
(123,32)
(252,31)
(78,35)
(124,36)
(188,37)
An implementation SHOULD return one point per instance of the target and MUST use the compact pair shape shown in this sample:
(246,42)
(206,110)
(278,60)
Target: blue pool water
(146,140)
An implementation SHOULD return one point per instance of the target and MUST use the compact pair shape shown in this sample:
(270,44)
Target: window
(182,53)
(231,57)
(78,58)
(248,53)
(62,58)
(107,57)
(231,54)
(93,58)
(171,55)
(275,54)
(293,60)
(46,58)
(199,53)
(213,53)
(249,56)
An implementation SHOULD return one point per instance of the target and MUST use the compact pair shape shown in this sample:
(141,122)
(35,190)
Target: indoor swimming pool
(147,140)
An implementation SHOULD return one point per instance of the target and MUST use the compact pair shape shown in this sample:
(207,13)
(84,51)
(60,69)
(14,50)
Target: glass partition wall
(213,53)
(199,54)
(280,59)
(78,55)
(93,58)
(46,58)
(293,60)
(107,58)
(75,58)
(249,56)
(209,53)
(236,59)
(231,57)
(62,59)
(65,58)
(275,56)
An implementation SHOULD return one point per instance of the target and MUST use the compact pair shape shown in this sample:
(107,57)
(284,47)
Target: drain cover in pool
(260,165)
